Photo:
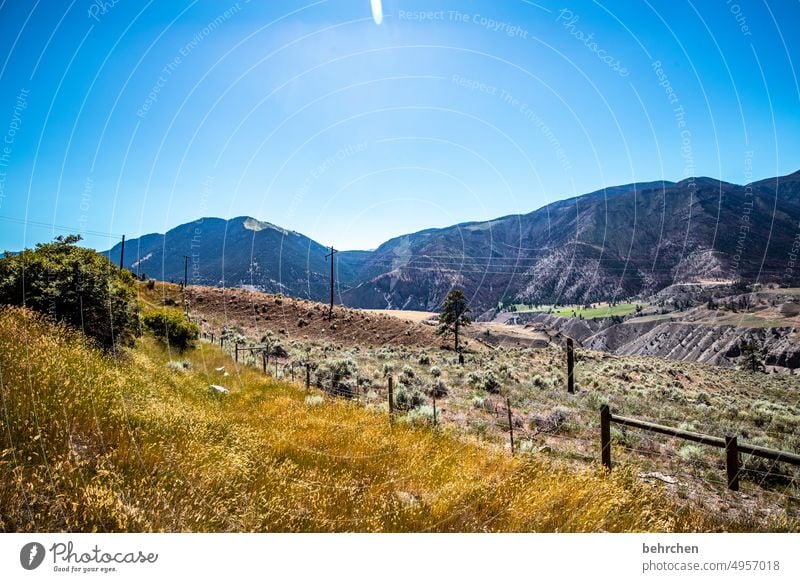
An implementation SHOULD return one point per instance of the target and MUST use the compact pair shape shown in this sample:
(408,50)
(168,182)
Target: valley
(621,244)
(355,353)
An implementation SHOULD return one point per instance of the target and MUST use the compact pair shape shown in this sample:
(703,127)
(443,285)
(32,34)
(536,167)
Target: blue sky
(133,117)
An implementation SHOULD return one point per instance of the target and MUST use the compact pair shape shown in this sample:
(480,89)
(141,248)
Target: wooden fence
(730,443)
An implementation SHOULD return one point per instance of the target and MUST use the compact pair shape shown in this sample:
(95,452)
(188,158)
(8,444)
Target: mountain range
(610,244)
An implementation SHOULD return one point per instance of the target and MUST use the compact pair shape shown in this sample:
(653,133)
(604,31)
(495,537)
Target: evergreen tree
(454,315)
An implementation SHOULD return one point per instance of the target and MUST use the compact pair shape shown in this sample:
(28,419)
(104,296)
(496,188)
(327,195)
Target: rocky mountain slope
(614,243)
(772,320)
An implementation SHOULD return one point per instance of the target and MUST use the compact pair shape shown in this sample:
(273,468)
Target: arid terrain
(524,366)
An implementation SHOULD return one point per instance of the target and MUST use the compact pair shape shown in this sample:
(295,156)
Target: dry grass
(89,443)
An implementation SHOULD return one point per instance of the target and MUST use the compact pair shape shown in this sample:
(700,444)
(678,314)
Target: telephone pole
(330,254)
(185,277)
(122,253)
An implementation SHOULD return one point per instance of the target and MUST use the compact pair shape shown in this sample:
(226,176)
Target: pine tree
(752,356)
(454,315)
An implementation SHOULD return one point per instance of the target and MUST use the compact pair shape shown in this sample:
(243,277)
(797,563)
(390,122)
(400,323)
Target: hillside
(618,242)
(240,252)
(141,444)
(770,317)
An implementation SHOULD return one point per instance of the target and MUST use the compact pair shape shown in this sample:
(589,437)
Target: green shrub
(407,398)
(489,382)
(172,327)
(693,454)
(421,416)
(73,285)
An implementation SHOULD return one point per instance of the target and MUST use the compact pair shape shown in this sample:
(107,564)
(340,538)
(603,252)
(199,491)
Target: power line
(60,228)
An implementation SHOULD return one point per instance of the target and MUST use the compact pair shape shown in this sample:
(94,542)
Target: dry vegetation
(139,443)
(762,409)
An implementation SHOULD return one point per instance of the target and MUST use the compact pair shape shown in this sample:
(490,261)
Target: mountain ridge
(608,244)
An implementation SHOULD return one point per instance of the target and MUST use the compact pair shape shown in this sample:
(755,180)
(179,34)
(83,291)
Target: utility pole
(330,254)
(122,254)
(185,280)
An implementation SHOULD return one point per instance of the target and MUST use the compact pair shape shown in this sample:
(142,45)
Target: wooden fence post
(510,425)
(264,361)
(308,376)
(236,353)
(605,435)
(732,462)
(434,406)
(570,366)
(391,398)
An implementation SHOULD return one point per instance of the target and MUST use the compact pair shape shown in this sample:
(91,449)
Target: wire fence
(771,477)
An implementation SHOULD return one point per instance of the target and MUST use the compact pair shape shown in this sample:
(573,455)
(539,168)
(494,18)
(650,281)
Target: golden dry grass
(89,443)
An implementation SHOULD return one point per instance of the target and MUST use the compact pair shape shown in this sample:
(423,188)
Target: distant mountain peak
(259,225)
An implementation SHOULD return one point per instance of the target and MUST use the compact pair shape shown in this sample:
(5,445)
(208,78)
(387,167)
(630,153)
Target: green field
(600,312)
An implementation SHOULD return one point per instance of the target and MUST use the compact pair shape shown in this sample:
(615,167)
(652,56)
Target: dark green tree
(75,285)
(454,315)
(752,356)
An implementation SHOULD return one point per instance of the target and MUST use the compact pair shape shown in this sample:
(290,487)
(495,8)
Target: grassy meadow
(600,311)
(138,442)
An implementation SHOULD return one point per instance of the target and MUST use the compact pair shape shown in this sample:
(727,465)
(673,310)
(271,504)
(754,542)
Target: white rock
(216,389)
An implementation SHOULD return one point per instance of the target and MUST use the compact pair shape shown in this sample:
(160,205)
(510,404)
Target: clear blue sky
(132,117)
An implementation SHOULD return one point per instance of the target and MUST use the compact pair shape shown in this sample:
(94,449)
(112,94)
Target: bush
(73,285)
(489,382)
(406,398)
(421,416)
(693,454)
(437,389)
(179,366)
(172,327)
